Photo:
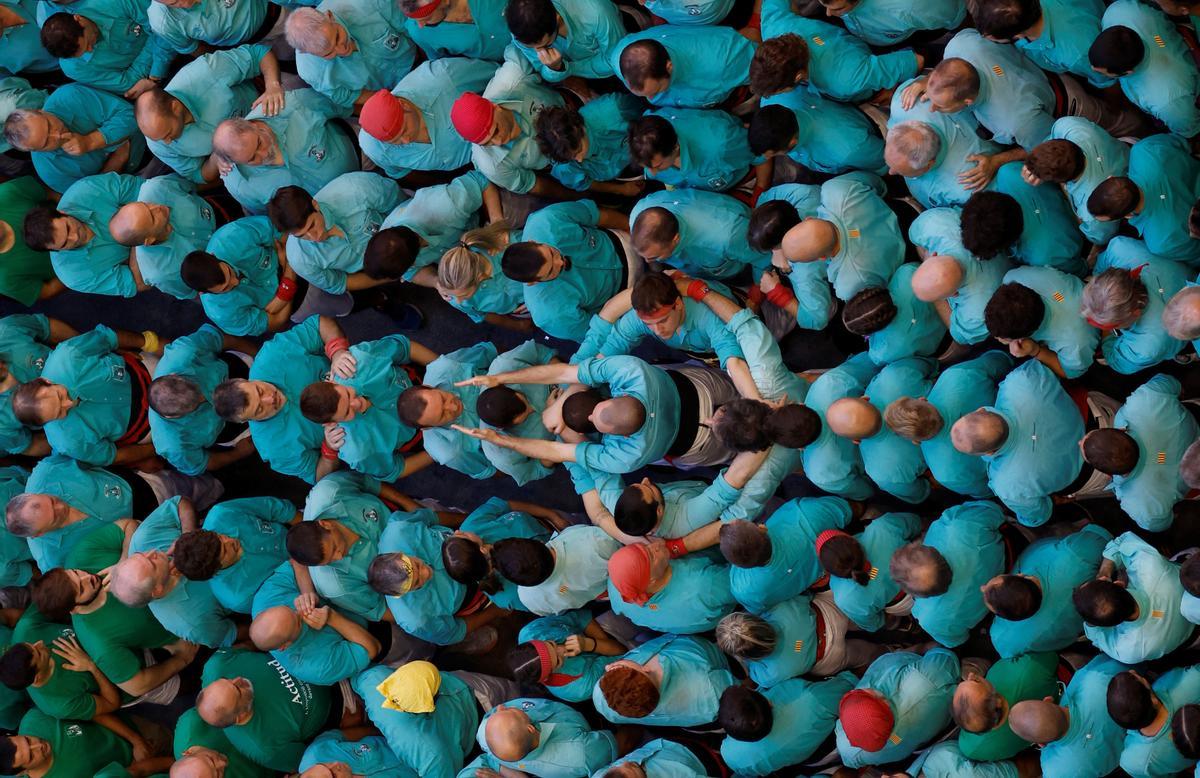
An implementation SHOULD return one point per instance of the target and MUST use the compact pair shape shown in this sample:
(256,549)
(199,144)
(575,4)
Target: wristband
(327,452)
(696,290)
(336,345)
(780,296)
(676,548)
(151,343)
(286,289)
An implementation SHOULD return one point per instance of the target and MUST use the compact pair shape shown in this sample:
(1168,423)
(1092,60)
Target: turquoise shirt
(631,377)
(606,124)
(794,624)
(694,675)
(892,462)
(708,64)
(192,224)
(809,280)
(945,760)
(1169,177)
(375,436)
(1015,100)
(714,151)
(103,497)
(24,346)
(567,745)
(1165,84)
(428,612)
(85,110)
(1058,565)
(694,600)
(100,266)
(1190,608)
(1063,330)
(870,244)
(382,50)
(214,22)
(449,447)
(594,29)
(939,231)
(831,137)
(495,294)
(248,247)
(356,204)
(803,714)
(493,521)
(514,165)
(22,44)
(563,306)
(917,329)
(959,390)
(439,215)
(831,462)
(14,551)
(712,233)
(919,690)
(582,670)
(701,331)
(484,36)
(259,524)
(184,441)
(1148,756)
(189,609)
(213,88)
(368,756)
(581,554)
(690,11)
(320,656)
(314,147)
(97,378)
(432,745)
(958,137)
(432,88)
(1104,156)
(687,505)
(521,468)
(968,538)
(1041,454)
(1050,237)
(352,500)
(1092,746)
(888,22)
(1154,583)
(1145,343)
(793,566)
(1068,29)
(126,50)
(865,605)
(662,759)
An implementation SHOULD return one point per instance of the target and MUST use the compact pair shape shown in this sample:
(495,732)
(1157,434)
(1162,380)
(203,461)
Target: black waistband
(337,704)
(268,22)
(689,414)
(620,249)
(144,499)
(381,631)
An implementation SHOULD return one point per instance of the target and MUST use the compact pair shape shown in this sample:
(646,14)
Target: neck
(1035,32)
(41,770)
(95,605)
(44,676)
(1161,718)
(73,515)
(9,382)
(660,584)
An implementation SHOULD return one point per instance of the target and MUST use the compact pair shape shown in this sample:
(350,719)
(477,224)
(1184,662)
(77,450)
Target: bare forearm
(225,457)
(153,676)
(415,464)
(303,580)
(108,690)
(552,190)
(548,450)
(739,373)
(744,466)
(541,374)
(60,331)
(118,727)
(704,537)
(38,446)
(492,204)
(325,467)
(605,645)
(133,453)
(613,220)
(329,329)
(269,65)
(188,521)
(721,305)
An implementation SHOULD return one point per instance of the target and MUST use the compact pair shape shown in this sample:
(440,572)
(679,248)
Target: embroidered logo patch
(1058,297)
(998,70)
(799,646)
(817,39)
(1162,457)
(873,573)
(563,589)
(1160,42)
(853,233)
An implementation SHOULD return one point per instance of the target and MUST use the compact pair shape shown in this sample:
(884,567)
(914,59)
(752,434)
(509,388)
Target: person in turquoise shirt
(690,674)
(888,22)
(945,760)
(425,138)
(23,49)
(167,222)
(369,757)
(589,147)
(578,571)
(897,324)
(1058,38)
(1148,753)
(565,38)
(683,67)
(1035,312)
(777,560)
(470,278)
(25,342)
(562,744)
(786,640)
(217,25)
(945,571)
(79,131)
(1045,619)
(950,272)
(18,93)
(695,594)
(691,148)
(247,255)
(108,46)
(702,234)
(861,583)
(180,118)
(573,672)
(833,463)
(491,522)
(301,145)
(771,730)
(779,209)
(457,28)
(1049,235)
(917,690)
(823,135)
(1157,203)
(1156,75)
(14,550)
(660,758)
(1029,439)
(697,12)
(347,50)
(535,398)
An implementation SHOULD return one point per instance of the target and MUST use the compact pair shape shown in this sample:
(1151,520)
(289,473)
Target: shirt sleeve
(233,66)
(723,341)
(165,28)
(625,335)
(874,72)
(753,497)
(114,116)
(598,330)
(705,508)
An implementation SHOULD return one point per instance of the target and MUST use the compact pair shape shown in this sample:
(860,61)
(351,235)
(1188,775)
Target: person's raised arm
(545,450)
(272,99)
(739,373)
(60,330)
(353,632)
(547,515)
(744,466)
(188,520)
(420,354)
(554,373)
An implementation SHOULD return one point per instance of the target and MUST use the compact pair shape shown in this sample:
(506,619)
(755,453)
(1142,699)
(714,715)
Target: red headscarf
(866,718)
(472,116)
(629,570)
(382,116)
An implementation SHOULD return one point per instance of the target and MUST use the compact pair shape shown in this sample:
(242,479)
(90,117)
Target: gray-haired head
(912,148)
(1113,298)
(1181,316)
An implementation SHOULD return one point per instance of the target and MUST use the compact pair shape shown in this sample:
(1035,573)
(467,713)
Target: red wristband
(327,452)
(676,548)
(286,289)
(697,289)
(336,345)
(780,296)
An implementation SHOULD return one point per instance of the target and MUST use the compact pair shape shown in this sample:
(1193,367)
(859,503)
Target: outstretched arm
(545,450)
(555,373)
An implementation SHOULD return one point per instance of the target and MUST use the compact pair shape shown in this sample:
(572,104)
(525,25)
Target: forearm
(721,305)
(546,450)
(556,373)
(115,162)
(415,464)
(704,537)
(60,331)
(240,344)
(108,691)
(483,618)
(491,202)
(303,579)
(153,676)
(613,220)
(739,373)
(391,494)
(329,329)
(605,645)
(325,467)
(188,521)
(420,354)
(1050,359)
(356,282)
(763,173)
(38,446)
(210,171)
(544,186)
(1016,154)
(353,633)
(269,65)
(130,341)
(133,453)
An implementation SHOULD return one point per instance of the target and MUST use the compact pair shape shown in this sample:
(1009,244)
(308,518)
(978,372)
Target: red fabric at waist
(820,621)
(473,604)
(139,400)
(1060,94)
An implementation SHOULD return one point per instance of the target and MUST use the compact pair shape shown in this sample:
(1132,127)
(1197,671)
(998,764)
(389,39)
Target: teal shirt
(514,165)
(521,468)
(810,284)
(97,378)
(485,36)
(351,499)
(1092,746)
(248,246)
(1068,29)
(290,361)
(1148,756)
(662,759)
(916,331)
(919,690)
(580,673)
(945,760)
(192,224)
(374,437)
(803,714)
(690,11)
(594,29)
(84,110)
(189,609)
(1063,330)
(968,538)
(650,385)
(439,215)
(959,390)
(259,524)
(24,346)
(687,505)
(495,294)
(1050,237)
(712,233)
(368,756)
(125,52)
(707,64)
(315,151)
(213,87)
(493,521)
(429,612)
(1169,177)
(832,137)
(888,22)
(382,50)
(214,22)
(432,87)
(865,605)
(1041,454)
(1164,84)
(831,462)
(694,600)
(14,551)
(563,306)
(1190,608)
(1154,582)
(606,124)
(1145,343)
(793,566)
(100,266)
(701,331)
(581,554)
(102,496)
(694,676)
(1058,565)
(892,462)
(714,151)
(870,244)
(22,45)
(795,652)
(184,441)
(567,745)
(449,447)
(1103,156)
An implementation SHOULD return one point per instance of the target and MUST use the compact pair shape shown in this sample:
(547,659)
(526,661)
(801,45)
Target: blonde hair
(913,418)
(467,264)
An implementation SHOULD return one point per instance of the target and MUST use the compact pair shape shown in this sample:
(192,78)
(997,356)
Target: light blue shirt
(1092,746)
(24,346)
(831,462)
(567,745)
(484,36)
(580,574)
(192,224)
(707,63)
(690,11)
(694,600)
(514,165)
(865,605)
(126,50)
(184,441)
(701,331)
(375,436)
(439,215)
(22,44)
(1063,329)
(368,756)
(606,124)
(100,266)
(714,151)
(429,612)
(809,280)
(449,447)
(687,505)
(1145,343)
(662,759)
(888,22)
(1148,756)
(870,244)
(631,377)
(694,674)
(98,379)
(220,23)
(259,524)
(493,521)
(945,760)
(831,137)
(795,627)
(712,233)
(594,28)
(1069,27)
(521,468)
(1103,156)
(583,670)
(85,110)
(1050,237)
(352,500)
(102,497)
(495,294)
(892,462)
(1169,177)
(248,247)
(915,331)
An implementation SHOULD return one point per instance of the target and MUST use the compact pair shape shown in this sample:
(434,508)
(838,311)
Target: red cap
(866,719)
(422,11)
(472,116)
(382,115)
(629,569)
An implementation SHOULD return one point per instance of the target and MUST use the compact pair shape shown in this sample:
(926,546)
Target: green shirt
(1026,677)
(79,747)
(67,694)
(191,730)
(23,270)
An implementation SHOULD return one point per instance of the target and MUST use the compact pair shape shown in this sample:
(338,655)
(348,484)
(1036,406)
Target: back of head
(633,513)
(745,714)
(560,132)
(843,556)
(305,542)
(531,21)
(920,570)
(1117,51)
(61,35)
(769,223)
(654,227)
(1111,451)
(792,426)
(745,636)
(1189,466)
(464,560)
(651,137)
(1181,316)
(1103,603)
(1114,198)
(307,30)
(577,410)
(174,396)
(979,432)
(644,60)
(290,208)
(854,418)
(869,311)
(1056,161)
(229,401)
(197,554)
(652,292)
(741,425)
(388,574)
(522,261)
(525,664)
(913,418)
(499,406)
(17,668)
(629,692)
(912,147)
(778,64)
(319,402)
(773,128)
(1004,20)
(53,594)
(1114,299)
(1130,701)
(956,78)
(201,271)
(1037,721)
(523,561)
(390,253)
(1013,597)
(1185,730)
(25,404)
(1014,311)
(992,223)
(622,415)
(743,544)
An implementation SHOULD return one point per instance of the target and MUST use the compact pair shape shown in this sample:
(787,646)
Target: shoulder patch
(799,646)
(999,71)
(1058,297)
(1160,42)
(817,39)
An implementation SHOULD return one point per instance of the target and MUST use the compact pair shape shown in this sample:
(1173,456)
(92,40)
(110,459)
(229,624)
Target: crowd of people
(865,331)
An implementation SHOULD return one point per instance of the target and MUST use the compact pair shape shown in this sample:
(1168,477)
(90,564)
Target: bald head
(619,416)
(953,85)
(810,240)
(853,418)
(275,628)
(509,733)
(134,224)
(225,702)
(1038,721)
(979,432)
(937,278)
(159,116)
(1181,316)
(236,140)
(655,233)
(200,762)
